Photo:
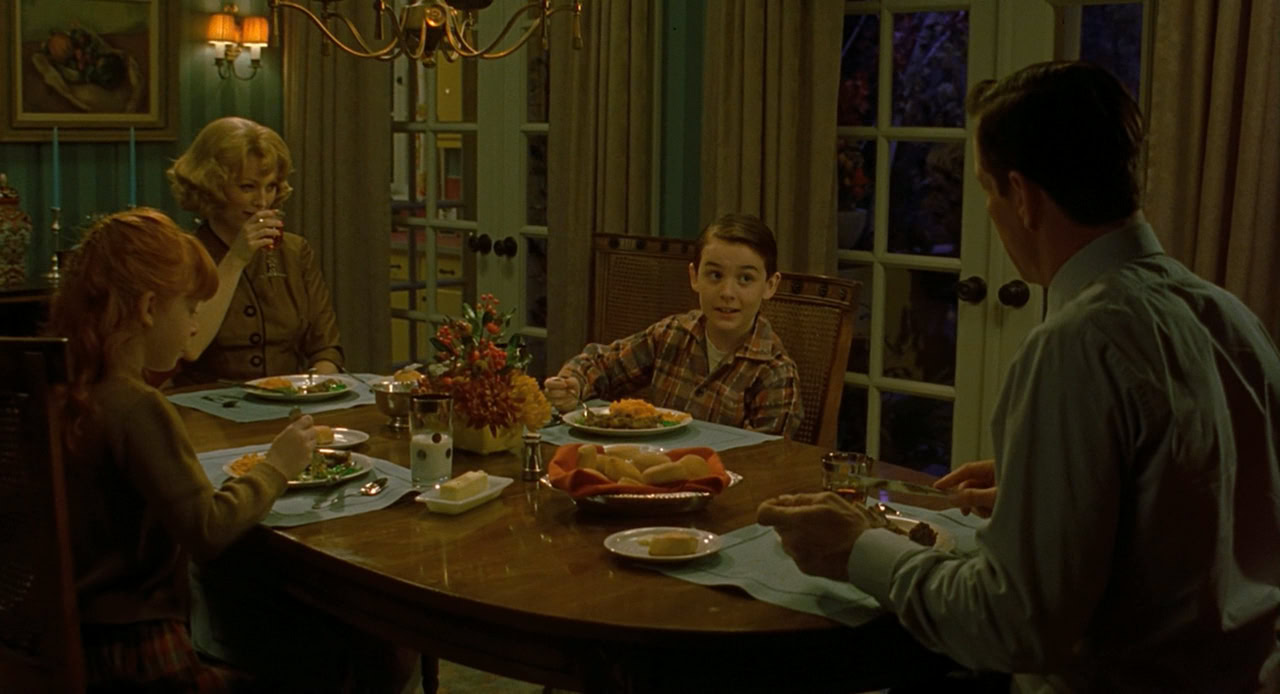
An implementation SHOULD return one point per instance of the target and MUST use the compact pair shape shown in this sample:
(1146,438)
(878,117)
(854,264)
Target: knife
(869,483)
(247,386)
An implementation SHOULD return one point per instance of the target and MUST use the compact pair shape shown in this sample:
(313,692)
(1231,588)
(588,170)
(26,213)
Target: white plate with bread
(339,437)
(663,544)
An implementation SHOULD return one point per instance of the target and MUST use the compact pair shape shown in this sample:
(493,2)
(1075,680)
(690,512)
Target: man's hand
(564,392)
(817,530)
(973,486)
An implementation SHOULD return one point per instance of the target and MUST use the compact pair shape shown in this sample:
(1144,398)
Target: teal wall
(680,187)
(95,175)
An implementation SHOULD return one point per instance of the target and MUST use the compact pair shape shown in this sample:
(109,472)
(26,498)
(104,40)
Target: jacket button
(250,310)
(699,392)
(255,338)
(255,361)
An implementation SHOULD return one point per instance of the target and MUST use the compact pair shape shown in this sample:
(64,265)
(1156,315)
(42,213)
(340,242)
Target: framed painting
(93,68)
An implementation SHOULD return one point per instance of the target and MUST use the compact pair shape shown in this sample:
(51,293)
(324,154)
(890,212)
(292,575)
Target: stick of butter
(464,486)
(672,543)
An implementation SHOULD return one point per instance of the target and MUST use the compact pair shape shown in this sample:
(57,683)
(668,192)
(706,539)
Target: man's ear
(771,285)
(1028,200)
(147,306)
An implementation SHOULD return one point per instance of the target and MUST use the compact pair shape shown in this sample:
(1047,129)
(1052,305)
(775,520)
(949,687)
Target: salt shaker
(533,467)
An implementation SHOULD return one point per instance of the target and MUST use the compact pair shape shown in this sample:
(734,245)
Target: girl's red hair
(120,259)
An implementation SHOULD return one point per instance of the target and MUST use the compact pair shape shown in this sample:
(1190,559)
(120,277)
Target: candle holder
(54,276)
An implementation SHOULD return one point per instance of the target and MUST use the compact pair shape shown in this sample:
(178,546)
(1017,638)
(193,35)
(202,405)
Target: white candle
(57,196)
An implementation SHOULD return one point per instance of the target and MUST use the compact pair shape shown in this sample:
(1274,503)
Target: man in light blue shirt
(1134,540)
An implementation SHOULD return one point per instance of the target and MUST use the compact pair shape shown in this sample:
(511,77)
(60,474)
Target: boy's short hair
(1071,128)
(746,229)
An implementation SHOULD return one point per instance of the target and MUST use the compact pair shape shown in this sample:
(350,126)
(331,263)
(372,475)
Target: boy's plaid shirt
(757,387)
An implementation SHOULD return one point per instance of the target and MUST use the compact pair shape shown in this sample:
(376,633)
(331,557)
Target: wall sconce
(230,34)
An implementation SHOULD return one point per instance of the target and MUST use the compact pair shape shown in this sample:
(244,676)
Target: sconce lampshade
(254,30)
(222,27)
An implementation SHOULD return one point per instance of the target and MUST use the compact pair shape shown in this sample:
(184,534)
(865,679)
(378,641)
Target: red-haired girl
(140,502)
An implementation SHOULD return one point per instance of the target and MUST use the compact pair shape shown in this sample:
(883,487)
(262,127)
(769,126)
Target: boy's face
(731,284)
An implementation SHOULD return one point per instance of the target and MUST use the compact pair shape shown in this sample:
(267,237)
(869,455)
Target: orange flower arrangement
(483,370)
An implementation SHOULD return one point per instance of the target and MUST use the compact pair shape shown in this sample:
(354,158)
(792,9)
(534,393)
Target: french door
(469,191)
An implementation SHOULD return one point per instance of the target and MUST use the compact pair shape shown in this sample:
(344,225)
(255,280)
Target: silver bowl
(392,398)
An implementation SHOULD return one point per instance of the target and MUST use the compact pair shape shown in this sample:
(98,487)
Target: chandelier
(424,27)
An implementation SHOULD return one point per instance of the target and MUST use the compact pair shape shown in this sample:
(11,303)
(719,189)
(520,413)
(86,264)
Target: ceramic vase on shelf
(15,236)
(484,441)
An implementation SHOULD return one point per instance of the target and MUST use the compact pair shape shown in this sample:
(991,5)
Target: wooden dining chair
(813,314)
(39,623)
(637,280)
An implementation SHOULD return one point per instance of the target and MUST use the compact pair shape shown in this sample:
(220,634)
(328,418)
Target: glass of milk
(431,439)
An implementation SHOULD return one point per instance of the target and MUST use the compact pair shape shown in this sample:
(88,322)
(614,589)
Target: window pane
(920,325)
(456,176)
(930,54)
(915,432)
(856,170)
(860,350)
(859,51)
(536,181)
(853,420)
(455,93)
(1111,36)
(538,350)
(926,187)
(535,281)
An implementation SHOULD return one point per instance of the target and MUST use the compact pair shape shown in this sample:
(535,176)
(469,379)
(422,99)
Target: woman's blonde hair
(218,154)
(118,260)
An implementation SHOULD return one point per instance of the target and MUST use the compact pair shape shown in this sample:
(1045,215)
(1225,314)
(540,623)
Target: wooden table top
(524,587)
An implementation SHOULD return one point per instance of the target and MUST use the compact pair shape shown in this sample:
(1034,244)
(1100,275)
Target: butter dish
(431,497)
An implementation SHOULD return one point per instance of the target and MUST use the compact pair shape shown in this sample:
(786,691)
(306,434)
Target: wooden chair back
(39,622)
(637,281)
(813,314)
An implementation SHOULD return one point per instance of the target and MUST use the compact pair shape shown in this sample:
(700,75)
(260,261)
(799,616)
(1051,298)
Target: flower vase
(483,441)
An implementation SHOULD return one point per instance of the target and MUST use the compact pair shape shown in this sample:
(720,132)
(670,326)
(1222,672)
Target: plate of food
(464,492)
(663,544)
(327,467)
(628,417)
(339,437)
(298,387)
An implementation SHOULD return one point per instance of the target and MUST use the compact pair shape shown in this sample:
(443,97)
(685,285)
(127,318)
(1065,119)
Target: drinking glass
(838,471)
(273,249)
(430,439)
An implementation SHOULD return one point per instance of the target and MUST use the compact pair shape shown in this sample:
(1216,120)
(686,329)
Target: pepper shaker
(533,467)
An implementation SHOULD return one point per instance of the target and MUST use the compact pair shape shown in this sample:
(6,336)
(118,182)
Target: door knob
(1014,293)
(505,247)
(972,290)
(481,244)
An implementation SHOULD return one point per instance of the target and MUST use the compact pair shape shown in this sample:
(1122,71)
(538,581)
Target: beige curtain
(599,153)
(770,80)
(1213,167)
(337,126)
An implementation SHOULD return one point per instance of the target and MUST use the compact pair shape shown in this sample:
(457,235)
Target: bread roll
(628,480)
(324,434)
(667,472)
(647,459)
(617,468)
(695,465)
(624,450)
(587,457)
(595,476)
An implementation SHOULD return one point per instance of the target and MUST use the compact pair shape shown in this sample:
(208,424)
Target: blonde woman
(272,313)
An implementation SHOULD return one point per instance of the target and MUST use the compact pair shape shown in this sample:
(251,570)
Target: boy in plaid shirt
(720,363)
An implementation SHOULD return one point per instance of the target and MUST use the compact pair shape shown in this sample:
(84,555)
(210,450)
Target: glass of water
(430,439)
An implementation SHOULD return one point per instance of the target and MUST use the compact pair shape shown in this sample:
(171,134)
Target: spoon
(373,488)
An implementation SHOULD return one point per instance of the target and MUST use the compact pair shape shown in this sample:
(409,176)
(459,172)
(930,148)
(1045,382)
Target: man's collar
(1101,256)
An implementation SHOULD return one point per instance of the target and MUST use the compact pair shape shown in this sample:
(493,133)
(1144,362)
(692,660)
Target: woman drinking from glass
(272,314)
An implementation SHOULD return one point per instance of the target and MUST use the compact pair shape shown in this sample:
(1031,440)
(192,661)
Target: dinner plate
(431,497)
(346,438)
(574,419)
(364,462)
(945,540)
(645,504)
(632,544)
(298,380)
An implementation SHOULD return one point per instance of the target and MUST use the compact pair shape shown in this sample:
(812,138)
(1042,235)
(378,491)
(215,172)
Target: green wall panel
(95,176)
(680,190)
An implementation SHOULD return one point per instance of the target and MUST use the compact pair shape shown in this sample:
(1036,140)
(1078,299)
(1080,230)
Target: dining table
(523,587)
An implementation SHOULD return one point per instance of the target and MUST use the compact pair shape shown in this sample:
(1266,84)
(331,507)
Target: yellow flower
(535,411)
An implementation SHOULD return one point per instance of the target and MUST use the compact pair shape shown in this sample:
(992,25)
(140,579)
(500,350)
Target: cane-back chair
(39,623)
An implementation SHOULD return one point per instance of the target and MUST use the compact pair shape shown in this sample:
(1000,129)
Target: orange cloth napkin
(564,474)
